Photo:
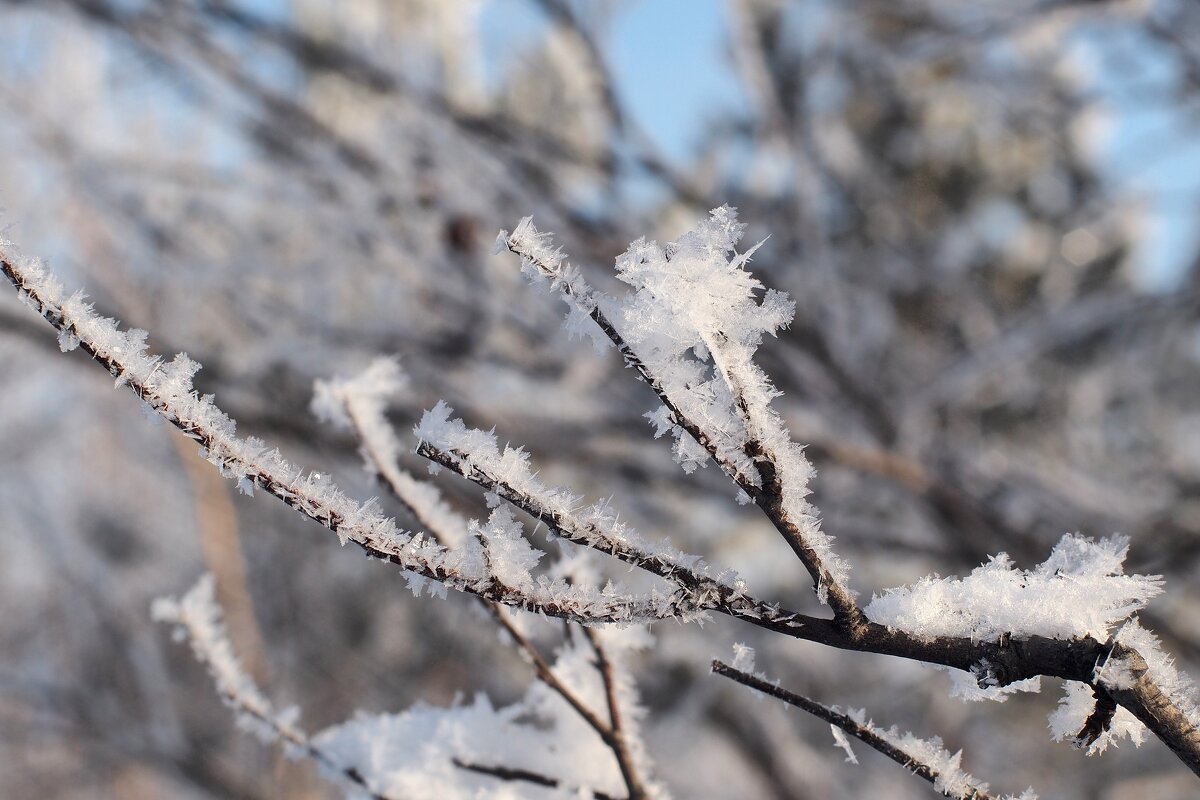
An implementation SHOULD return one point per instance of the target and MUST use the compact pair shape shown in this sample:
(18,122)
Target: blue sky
(667,57)
(673,72)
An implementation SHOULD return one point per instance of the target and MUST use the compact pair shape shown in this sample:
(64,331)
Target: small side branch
(704,592)
(199,617)
(1099,721)
(948,785)
(364,414)
(618,737)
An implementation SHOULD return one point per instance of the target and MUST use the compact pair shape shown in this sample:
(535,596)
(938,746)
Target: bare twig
(618,732)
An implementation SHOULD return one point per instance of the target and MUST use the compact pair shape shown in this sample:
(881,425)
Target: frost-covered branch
(695,324)
(166,388)
(197,617)
(359,403)
(693,304)
(475,455)
(925,758)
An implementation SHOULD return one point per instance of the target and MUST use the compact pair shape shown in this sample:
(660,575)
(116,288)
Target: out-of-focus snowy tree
(980,359)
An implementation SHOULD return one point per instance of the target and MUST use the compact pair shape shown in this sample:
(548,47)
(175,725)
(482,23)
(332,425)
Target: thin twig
(618,737)
(705,592)
(860,731)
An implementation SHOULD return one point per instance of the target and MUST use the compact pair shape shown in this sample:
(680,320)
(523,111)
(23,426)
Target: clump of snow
(1080,590)
(509,554)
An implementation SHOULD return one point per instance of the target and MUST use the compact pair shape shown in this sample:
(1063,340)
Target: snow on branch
(926,758)
(690,329)
(1133,666)
(166,388)
(197,617)
(949,623)
(1080,590)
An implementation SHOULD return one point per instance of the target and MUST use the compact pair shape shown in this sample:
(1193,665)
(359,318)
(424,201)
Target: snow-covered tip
(371,389)
(197,617)
(536,249)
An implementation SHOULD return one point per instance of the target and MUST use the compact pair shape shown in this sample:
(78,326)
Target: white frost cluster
(949,777)
(509,554)
(412,754)
(743,658)
(1080,590)
(695,318)
(840,741)
(543,260)
(1160,668)
(1073,710)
